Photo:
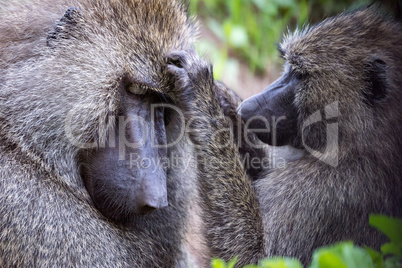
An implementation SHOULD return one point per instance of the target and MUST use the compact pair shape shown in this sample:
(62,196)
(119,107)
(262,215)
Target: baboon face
(127,174)
(325,64)
(109,66)
(274,103)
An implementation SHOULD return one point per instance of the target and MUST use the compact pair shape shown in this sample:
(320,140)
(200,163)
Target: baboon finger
(177,58)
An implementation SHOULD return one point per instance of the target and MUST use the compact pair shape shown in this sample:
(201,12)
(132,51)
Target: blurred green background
(240,37)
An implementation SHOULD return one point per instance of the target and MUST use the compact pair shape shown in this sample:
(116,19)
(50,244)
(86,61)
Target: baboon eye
(301,76)
(298,74)
(137,89)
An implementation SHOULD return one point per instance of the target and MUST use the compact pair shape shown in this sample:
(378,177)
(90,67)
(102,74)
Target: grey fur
(232,223)
(47,218)
(311,203)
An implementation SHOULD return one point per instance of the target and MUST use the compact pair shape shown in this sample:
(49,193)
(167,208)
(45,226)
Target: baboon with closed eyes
(76,120)
(339,100)
(93,169)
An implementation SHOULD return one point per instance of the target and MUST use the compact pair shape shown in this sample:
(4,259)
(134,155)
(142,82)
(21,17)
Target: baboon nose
(151,206)
(153,193)
(146,209)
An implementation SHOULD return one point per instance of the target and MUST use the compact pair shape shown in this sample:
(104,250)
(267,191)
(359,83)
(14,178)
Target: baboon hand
(178,65)
(191,76)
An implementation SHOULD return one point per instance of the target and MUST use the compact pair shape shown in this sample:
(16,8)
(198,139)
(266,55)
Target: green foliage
(218,263)
(342,255)
(252,28)
(391,252)
(278,263)
(392,228)
(345,254)
(266,263)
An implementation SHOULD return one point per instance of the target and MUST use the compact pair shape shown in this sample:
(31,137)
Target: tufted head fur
(62,64)
(348,72)
(352,59)
(94,46)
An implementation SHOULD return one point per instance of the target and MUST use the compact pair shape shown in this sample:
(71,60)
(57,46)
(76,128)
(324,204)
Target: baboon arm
(245,141)
(231,212)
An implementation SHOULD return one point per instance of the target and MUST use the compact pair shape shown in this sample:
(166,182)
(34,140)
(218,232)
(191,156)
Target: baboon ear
(377,81)
(64,26)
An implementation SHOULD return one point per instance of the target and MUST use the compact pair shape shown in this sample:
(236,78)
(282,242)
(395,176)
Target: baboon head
(345,69)
(83,92)
(126,174)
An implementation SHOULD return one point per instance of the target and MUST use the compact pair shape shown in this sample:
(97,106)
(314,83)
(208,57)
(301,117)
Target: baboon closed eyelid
(102,157)
(138,89)
(141,90)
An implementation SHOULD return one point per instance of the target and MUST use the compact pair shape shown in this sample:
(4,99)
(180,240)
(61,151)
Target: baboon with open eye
(94,170)
(82,147)
(339,99)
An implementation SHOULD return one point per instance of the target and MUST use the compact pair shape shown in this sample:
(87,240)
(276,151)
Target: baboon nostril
(147,209)
(150,206)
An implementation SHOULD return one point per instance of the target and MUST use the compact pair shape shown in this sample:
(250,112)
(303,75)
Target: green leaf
(280,263)
(232,263)
(356,257)
(393,262)
(342,255)
(392,249)
(328,259)
(218,263)
(375,256)
(220,61)
(391,227)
